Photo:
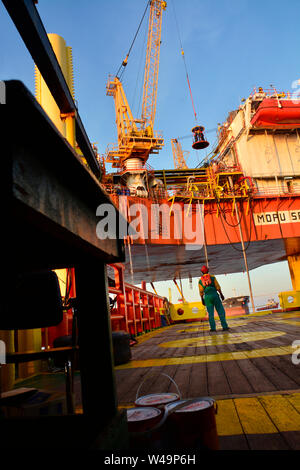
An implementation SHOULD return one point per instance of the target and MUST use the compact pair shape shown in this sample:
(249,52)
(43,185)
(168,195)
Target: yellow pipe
(44,97)
(182,296)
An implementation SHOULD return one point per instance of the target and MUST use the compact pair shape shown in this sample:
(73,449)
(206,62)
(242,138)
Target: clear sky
(230,47)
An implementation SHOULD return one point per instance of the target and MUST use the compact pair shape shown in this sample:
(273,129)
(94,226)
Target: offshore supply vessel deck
(248,371)
(82,336)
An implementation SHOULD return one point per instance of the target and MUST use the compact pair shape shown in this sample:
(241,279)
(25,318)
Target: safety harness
(206,280)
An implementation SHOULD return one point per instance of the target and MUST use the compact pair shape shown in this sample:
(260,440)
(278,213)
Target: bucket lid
(157,399)
(198,405)
(142,414)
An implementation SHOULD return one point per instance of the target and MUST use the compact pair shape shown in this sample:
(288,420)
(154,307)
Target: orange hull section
(265,225)
(269,218)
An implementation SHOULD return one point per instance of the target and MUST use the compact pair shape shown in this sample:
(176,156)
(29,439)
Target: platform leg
(294,267)
(292,247)
(95,342)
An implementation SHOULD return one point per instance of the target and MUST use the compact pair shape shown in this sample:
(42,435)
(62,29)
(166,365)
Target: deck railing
(278,191)
(135,310)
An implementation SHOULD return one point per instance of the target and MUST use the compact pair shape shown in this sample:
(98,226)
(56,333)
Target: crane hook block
(199,140)
(124,63)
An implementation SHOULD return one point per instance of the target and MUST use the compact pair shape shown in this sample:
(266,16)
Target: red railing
(135,309)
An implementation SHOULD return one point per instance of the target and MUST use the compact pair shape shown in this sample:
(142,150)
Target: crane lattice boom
(178,154)
(152,61)
(136,138)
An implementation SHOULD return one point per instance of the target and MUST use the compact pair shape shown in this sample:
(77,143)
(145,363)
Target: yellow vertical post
(294,267)
(292,248)
(65,123)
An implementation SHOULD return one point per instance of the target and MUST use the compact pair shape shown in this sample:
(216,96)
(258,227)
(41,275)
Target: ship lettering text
(280,217)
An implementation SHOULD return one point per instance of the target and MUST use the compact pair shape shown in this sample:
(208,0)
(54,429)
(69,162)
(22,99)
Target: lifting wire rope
(185,66)
(200,141)
(124,63)
(250,233)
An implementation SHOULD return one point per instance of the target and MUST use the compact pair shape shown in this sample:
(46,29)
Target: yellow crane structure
(136,137)
(179,155)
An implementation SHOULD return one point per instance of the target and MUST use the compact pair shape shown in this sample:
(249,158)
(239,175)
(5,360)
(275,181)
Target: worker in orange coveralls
(210,292)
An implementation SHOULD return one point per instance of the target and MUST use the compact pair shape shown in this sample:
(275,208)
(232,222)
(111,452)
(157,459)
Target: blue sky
(230,47)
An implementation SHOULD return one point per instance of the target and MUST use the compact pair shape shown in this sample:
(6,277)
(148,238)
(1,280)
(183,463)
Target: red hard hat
(204,269)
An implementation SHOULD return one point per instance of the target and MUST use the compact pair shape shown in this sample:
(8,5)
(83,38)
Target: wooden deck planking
(234,377)
(239,375)
(267,442)
(182,379)
(269,422)
(267,367)
(198,382)
(238,381)
(292,438)
(233,442)
(258,382)
(217,380)
(253,416)
(127,383)
(156,380)
(285,417)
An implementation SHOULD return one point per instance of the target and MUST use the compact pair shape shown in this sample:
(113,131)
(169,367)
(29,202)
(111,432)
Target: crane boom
(152,61)
(136,138)
(178,154)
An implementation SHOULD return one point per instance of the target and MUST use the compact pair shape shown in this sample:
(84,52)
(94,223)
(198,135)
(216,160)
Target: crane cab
(199,140)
